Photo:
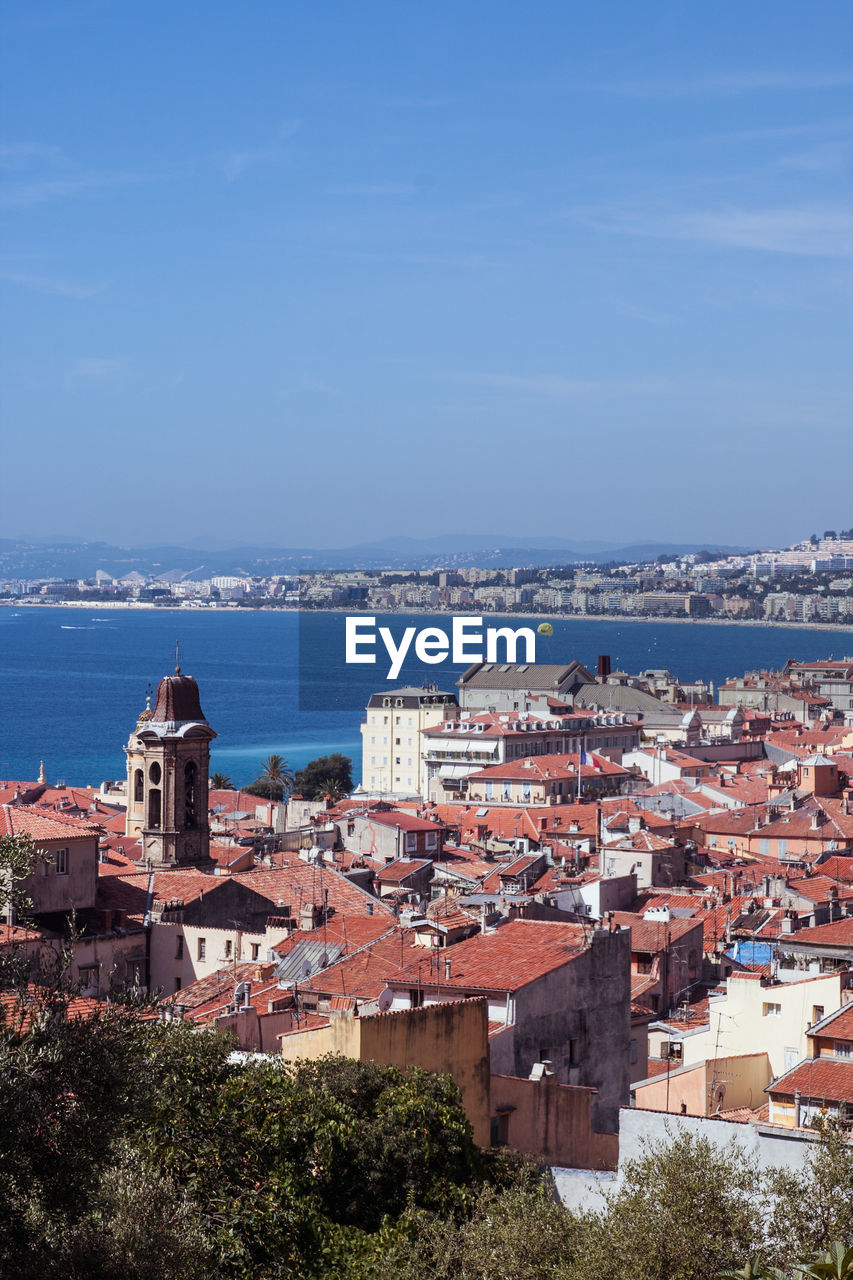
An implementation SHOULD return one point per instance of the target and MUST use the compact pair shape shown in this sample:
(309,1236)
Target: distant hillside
(19,559)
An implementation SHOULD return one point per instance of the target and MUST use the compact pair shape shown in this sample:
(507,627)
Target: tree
(19,858)
(221,782)
(326,776)
(813,1205)
(684,1211)
(275,781)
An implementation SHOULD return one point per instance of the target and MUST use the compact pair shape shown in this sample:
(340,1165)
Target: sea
(73,680)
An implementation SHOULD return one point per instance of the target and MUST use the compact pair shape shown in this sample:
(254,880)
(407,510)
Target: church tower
(168,758)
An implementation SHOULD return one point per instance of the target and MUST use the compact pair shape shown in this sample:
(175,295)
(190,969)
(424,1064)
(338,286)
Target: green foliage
(684,1211)
(835,1264)
(327,776)
(133,1147)
(221,782)
(516,1234)
(813,1205)
(275,781)
(19,858)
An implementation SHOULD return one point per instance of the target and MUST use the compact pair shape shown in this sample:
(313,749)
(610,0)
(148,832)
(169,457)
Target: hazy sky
(308,274)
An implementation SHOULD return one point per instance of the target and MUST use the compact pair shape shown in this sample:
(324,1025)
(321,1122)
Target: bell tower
(168,758)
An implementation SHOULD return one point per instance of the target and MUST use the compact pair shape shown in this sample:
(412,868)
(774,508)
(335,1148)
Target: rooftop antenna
(179,657)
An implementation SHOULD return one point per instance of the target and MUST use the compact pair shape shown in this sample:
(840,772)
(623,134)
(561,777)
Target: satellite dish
(386,999)
(306,968)
(324,960)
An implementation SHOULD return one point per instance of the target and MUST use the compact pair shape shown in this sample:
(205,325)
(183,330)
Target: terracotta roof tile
(821,1079)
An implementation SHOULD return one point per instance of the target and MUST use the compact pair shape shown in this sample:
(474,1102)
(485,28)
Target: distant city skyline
(318,277)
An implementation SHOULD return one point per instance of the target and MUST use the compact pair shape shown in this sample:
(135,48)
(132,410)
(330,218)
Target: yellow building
(391,737)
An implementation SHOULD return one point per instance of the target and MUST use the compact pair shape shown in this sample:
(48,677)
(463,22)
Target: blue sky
(309,275)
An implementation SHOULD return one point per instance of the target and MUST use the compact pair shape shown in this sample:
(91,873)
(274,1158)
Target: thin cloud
(98,368)
(15,156)
(375,189)
(57,285)
(20,195)
(723,84)
(237,162)
(823,231)
(416,104)
(559,387)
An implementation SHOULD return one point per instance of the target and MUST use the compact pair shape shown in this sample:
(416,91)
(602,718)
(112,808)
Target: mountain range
(63,558)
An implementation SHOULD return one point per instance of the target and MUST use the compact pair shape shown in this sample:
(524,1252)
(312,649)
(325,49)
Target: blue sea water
(73,680)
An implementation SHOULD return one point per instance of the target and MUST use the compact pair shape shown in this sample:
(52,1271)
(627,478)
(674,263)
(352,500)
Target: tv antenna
(179,657)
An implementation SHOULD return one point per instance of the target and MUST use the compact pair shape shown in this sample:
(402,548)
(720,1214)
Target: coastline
(149,606)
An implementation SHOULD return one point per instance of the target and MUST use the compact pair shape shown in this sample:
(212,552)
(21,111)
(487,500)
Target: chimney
(447,969)
(603,666)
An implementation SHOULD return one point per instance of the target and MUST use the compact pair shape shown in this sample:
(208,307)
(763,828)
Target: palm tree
(276,778)
(221,782)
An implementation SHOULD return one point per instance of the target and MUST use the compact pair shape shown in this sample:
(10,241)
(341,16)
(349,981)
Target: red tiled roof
(838,1025)
(817,888)
(838,933)
(513,956)
(654,935)
(405,821)
(546,767)
(365,972)
(394,872)
(821,1079)
(16,820)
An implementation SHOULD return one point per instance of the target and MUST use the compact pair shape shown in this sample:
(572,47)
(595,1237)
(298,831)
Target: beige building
(758,1015)
(707,1088)
(390,737)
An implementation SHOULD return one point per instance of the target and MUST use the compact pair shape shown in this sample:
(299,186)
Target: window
(138,783)
(62,862)
(574,1052)
(256,950)
(202,948)
(817,1012)
(416,998)
(499,1129)
(644,964)
(154,808)
(228,948)
(190,774)
(771,1010)
(843,1048)
(633,1050)
(411,842)
(177,984)
(432,840)
(179,949)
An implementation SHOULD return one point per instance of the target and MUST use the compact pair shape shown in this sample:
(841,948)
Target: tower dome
(177,701)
